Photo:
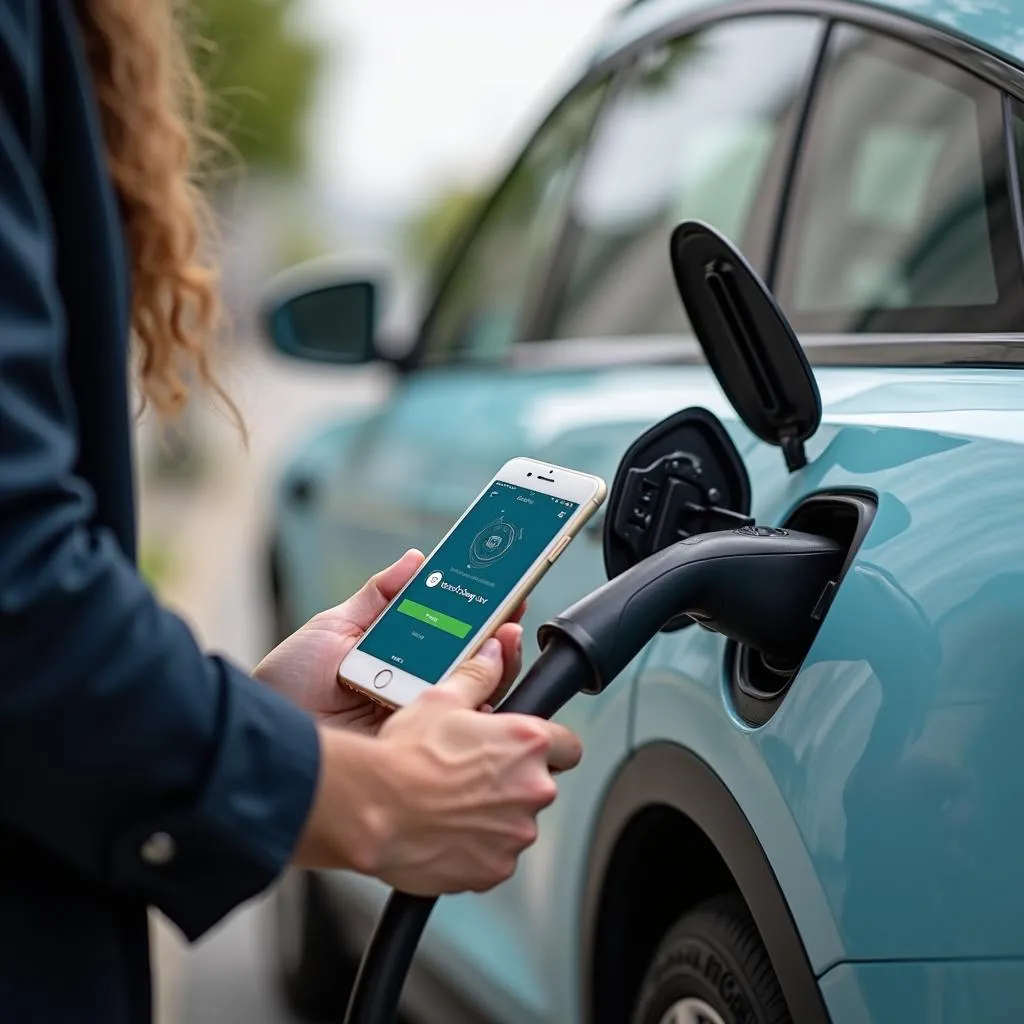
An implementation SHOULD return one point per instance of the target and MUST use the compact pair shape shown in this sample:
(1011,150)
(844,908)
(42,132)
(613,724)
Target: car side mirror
(324,313)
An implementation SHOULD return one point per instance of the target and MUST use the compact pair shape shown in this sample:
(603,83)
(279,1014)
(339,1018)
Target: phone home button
(382,678)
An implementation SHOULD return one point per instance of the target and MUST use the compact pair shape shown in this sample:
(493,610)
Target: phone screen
(462,584)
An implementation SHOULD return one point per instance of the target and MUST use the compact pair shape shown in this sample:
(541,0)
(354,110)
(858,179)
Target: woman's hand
(443,799)
(304,667)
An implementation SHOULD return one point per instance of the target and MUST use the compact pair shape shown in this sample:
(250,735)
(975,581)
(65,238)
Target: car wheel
(712,968)
(316,971)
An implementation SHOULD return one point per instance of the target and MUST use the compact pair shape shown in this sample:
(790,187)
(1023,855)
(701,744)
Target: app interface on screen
(467,578)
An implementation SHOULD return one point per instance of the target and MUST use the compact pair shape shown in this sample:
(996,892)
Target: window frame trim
(540,316)
(455,251)
(991,104)
(961,350)
(980,349)
(780,215)
(1014,108)
(943,42)
(904,351)
(772,187)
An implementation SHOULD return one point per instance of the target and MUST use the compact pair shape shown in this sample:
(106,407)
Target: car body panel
(880,789)
(307,488)
(517,946)
(369,501)
(950,992)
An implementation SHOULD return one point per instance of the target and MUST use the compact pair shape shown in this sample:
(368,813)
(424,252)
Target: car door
(678,136)
(878,785)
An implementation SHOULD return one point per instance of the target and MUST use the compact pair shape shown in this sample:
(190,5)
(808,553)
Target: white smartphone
(474,579)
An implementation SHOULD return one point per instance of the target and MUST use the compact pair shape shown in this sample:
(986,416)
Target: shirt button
(159,849)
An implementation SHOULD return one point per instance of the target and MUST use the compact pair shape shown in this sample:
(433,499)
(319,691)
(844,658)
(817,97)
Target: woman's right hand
(446,797)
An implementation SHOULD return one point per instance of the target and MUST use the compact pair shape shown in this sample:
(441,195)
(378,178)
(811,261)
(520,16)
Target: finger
(518,614)
(473,683)
(510,636)
(565,751)
(365,720)
(373,597)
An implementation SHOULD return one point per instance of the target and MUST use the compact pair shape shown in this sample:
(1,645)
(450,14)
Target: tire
(316,972)
(712,968)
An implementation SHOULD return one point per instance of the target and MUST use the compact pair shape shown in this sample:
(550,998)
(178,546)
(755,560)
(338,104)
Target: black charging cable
(558,674)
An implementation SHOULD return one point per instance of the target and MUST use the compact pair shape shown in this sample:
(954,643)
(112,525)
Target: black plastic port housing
(758,687)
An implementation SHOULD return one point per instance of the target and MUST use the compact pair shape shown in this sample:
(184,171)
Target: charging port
(757,685)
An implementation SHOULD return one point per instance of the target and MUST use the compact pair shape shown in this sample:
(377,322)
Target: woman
(134,770)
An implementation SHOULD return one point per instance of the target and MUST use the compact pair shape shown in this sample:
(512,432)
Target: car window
(691,135)
(485,302)
(900,218)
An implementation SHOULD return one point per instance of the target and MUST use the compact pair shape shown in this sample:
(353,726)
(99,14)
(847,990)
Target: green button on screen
(437,619)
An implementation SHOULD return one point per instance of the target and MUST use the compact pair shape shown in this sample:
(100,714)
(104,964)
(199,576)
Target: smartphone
(474,579)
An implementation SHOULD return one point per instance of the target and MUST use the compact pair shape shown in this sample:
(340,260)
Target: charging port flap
(749,344)
(681,477)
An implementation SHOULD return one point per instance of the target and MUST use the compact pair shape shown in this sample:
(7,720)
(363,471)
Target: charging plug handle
(757,585)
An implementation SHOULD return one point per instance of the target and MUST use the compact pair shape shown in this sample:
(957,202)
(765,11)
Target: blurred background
(355,128)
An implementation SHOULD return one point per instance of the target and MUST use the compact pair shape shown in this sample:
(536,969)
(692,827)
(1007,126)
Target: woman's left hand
(304,667)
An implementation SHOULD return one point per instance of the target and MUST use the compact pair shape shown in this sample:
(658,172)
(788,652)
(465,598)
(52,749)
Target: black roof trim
(942,41)
(911,350)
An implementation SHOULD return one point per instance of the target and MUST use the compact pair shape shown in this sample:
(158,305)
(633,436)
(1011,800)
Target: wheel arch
(660,784)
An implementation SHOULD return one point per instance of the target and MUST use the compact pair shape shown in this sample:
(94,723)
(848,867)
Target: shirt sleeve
(166,774)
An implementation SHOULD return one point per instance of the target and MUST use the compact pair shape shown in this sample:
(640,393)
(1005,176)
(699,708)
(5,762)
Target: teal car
(841,844)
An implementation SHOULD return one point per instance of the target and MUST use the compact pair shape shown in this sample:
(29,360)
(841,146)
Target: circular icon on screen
(434,578)
(493,542)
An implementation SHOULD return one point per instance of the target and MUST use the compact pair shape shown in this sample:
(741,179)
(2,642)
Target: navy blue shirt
(134,769)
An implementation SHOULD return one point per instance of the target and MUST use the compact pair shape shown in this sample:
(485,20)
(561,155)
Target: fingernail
(491,650)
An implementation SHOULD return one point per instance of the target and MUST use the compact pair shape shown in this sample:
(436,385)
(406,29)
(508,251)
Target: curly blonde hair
(152,109)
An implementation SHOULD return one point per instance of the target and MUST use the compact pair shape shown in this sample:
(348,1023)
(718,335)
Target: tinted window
(692,134)
(483,306)
(901,219)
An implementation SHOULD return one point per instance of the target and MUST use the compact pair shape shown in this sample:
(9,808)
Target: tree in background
(260,75)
